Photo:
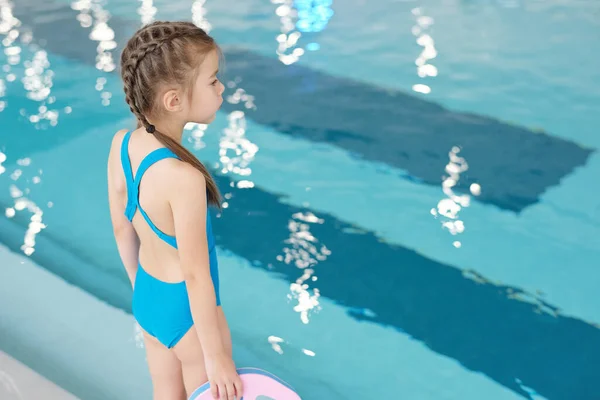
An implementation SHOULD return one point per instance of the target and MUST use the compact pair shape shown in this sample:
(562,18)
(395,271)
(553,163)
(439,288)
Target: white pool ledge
(19,382)
(66,336)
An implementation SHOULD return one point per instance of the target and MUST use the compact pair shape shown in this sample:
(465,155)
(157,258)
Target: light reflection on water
(30,63)
(92,14)
(424,67)
(37,83)
(2,159)
(236,151)
(304,251)
(277,343)
(2,94)
(199,15)
(147,11)
(8,33)
(299,17)
(23,203)
(195,134)
(450,206)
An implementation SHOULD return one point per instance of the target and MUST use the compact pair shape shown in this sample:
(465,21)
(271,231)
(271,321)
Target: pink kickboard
(256,383)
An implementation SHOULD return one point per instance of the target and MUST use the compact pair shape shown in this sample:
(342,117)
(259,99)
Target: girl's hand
(225,383)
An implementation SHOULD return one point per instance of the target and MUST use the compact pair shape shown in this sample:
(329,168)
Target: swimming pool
(349,269)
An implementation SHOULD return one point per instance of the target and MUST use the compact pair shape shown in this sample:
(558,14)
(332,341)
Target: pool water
(410,200)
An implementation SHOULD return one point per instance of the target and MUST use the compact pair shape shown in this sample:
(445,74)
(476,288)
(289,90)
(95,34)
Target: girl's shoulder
(117,140)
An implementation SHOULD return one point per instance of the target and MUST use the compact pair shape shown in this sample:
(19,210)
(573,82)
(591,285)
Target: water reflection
(276,343)
(236,151)
(424,67)
(21,203)
(297,17)
(240,96)
(92,14)
(195,135)
(313,15)
(8,29)
(2,94)
(37,82)
(9,34)
(286,50)
(304,251)
(35,225)
(449,207)
(147,11)
(7,19)
(37,76)
(309,353)
(199,15)
(2,159)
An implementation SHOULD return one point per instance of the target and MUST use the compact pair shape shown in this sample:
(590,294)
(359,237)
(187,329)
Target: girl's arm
(127,239)
(189,206)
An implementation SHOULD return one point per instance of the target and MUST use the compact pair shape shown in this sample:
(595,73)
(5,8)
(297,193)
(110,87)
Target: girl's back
(158,258)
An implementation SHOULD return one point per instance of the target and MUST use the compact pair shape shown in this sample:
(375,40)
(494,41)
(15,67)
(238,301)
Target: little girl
(159,195)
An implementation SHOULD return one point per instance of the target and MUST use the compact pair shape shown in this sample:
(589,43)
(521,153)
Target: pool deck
(53,335)
(19,382)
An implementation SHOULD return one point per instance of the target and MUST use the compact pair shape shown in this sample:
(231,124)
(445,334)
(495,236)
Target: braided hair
(168,52)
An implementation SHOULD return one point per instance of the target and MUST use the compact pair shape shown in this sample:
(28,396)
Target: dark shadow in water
(512,164)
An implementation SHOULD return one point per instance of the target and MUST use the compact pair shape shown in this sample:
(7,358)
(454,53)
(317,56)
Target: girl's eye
(215,82)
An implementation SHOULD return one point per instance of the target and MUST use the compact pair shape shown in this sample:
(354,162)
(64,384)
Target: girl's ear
(172,100)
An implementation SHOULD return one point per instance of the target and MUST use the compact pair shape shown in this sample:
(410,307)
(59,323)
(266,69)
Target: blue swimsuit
(161,308)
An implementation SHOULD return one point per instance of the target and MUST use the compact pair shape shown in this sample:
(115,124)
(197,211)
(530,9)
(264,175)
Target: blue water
(364,276)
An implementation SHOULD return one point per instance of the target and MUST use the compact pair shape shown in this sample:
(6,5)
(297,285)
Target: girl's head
(169,72)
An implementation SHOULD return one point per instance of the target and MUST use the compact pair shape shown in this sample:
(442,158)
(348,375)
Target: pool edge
(25,383)
(49,321)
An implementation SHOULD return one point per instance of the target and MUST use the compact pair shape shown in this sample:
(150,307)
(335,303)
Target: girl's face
(206,96)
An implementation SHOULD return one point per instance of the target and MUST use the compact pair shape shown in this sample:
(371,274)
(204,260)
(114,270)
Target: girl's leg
(189,352)
(165,371)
